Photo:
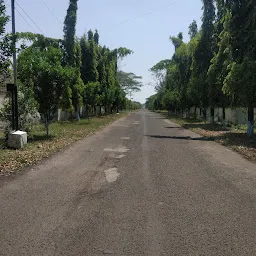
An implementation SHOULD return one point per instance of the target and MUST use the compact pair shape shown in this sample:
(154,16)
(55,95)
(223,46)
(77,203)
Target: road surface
(142,186)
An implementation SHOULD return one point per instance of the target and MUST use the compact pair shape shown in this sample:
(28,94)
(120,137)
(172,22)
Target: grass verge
(40,146)
(233,137)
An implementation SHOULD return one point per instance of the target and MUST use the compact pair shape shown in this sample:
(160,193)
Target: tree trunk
(188,113)
(195,115)
(204,114)
(77,116)
(87,112)
(250,130)
(200,114)
(212,116)
(47,125)
(224,118)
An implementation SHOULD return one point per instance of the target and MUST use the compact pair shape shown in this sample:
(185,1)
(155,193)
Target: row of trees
(216,68)
(71,72)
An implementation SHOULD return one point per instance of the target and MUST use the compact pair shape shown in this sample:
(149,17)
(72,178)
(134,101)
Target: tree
(123,52)
(42,71)
(28,109)
(202,58)
(5,45)
(177,41)
(193,29)
(218,70)
(73,55)
(89,64)
(91,95)
(90,35)
(96,37)
(159,72)
(129,82)
(69,33)
(240,81)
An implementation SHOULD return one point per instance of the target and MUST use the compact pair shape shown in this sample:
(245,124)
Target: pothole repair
(119,156)
(111,175)
(125,138)
(117,150)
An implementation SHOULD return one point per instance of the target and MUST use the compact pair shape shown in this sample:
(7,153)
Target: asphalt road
(142,186)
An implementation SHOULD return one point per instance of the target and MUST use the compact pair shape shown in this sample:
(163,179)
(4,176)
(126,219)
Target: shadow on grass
(41,137)
(158,117)
(232,139)
(179,137)
(207,127)
(173,127)
(2,143)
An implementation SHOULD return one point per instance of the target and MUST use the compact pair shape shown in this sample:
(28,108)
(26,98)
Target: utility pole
(130,100)
(16,110)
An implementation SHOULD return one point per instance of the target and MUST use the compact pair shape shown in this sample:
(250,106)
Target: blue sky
(141,25)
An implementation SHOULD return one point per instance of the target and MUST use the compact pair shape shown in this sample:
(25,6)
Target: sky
(143,26)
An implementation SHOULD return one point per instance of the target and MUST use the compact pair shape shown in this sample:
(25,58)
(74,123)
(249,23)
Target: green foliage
(123,52)
(217,66)
(96,37)
(177,41)
(69,33)
(193,29)
(242,74)
(28,110)
(5,43)
(91,95)
(42,71)
(89,71)
(129,82)
(72,72)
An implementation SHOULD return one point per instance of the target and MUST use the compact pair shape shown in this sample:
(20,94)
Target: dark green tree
(202,58)
(69,34)
(96,37)
(193,29)
(42,71)
(5,43)
(240,82)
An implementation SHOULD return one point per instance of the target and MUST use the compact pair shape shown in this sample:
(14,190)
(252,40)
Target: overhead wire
(22,17)
(29,17)
(49,9)
(145,14)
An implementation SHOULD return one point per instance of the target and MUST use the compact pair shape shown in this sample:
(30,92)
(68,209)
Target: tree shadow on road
(173,127)
(179,137)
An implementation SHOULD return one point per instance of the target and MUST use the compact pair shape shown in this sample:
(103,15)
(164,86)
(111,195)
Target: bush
(28,110)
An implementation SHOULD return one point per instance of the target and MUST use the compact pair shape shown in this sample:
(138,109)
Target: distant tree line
(216,68)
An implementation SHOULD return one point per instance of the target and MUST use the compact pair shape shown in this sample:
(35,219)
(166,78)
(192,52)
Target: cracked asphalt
(142,186)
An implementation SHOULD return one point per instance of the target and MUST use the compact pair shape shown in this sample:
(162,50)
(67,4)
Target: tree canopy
(216,68)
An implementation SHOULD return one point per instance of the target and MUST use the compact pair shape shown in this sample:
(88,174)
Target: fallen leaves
(39,147)
(235,139)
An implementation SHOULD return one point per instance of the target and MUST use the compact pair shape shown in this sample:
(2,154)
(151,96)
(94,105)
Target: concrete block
(17,139)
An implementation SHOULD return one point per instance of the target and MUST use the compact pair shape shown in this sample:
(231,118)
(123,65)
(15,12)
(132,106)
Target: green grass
(40,146)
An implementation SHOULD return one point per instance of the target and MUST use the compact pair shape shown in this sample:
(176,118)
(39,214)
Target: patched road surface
(142,186)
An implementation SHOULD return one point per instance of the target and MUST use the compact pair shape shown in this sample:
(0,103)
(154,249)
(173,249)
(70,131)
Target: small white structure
(17,139)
